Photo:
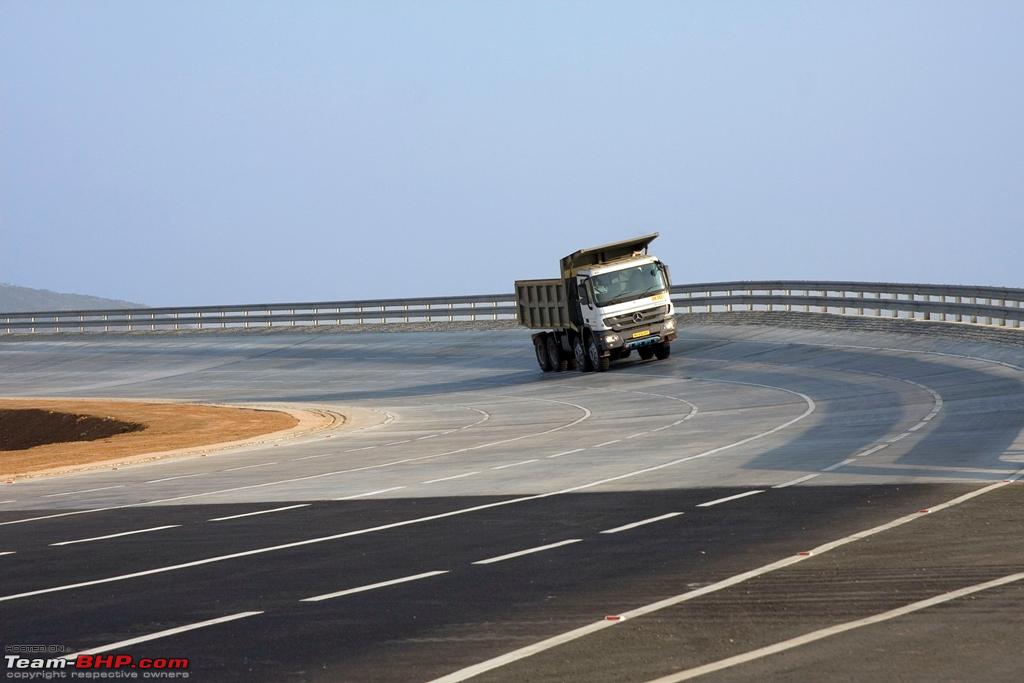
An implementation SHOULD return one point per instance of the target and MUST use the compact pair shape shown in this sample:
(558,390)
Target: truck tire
(542,353)
(556,359)
(600,363)
(646,353)
(580,353)
(663,350)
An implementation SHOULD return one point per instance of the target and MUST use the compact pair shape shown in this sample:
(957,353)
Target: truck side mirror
(581,290)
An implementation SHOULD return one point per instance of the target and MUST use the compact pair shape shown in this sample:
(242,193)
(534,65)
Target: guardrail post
(495,314)
(383,315)
(199,314)
(152,325)
(129,322)
(450,318)
(360,310)
(56,320)
(106,328)
(405,307)
(270,319)
(338,311)
(472,304)
(245,325)
(293,318)
(429,319)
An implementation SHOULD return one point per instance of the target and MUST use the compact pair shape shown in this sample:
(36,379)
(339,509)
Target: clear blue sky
(207,152)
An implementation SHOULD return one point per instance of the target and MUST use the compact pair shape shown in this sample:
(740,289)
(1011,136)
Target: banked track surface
(493,507)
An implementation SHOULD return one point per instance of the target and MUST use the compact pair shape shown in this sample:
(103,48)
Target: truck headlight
(611,338)
(670,323)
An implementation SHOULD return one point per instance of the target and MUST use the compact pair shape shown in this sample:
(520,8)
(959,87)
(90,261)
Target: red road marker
(613,617)
(805,553)
(924,510)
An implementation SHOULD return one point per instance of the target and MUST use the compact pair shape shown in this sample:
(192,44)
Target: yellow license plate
(659,297)
(642,333)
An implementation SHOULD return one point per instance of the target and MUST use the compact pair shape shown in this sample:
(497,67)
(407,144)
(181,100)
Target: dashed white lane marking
(836,466)
(373,586)
(123,533)
(180,476)
(642,522)
(7,552)
(454,476)
(719,501)
(872,450)
(71,493)
(593,627)
(836,630)
(528,551)
(633,436)
(558,455)
(428,436)
(370,493)
(395,443)
(249,467)
(7,501)
(353,450)
(407,522)
(607,443)
(161,634)
(515,464)
(798,480)
(259,512)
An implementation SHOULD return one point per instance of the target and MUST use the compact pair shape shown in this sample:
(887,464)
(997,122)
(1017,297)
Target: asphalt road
(492,517)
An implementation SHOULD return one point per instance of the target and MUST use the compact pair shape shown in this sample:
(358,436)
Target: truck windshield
(629,283)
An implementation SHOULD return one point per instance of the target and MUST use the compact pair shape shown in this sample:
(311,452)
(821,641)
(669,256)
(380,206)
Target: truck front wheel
(582,361)
(600,363)
(662,350)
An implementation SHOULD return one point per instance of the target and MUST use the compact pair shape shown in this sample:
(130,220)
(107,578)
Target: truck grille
(649,316)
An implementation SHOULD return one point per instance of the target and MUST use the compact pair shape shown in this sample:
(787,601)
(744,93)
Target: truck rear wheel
(580,353)
(599,362)
(556,358)
(663,350)
(542,353)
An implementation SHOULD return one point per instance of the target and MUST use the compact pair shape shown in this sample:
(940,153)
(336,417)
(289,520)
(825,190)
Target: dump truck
(611,300)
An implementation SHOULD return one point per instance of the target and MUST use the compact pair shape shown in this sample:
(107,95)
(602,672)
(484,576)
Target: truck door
(586,299)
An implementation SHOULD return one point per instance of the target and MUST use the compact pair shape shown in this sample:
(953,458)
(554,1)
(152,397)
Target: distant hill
(14,299)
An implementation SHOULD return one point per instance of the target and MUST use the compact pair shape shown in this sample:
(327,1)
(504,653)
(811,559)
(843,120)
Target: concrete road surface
(496,522)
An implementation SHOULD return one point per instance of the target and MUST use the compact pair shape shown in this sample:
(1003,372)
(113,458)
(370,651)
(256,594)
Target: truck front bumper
(664,331)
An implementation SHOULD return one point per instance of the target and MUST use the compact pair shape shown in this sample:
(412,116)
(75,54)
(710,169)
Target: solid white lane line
(836,630)
(642,522)
(558,455)
(569,636)
(514,464)
(123,533)
(180,476)
(607,443)
(248,467)
(370,493)
(406,522)
(373,586)
(71,493)
(161,634)
(798,480)
(633,436)
(528,551)
(456,476)
(718,501)
(259,512)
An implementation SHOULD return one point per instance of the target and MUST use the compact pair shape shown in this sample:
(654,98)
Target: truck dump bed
(540,304)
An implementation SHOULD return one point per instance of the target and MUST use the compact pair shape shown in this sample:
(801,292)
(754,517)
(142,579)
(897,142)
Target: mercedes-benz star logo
(638,316)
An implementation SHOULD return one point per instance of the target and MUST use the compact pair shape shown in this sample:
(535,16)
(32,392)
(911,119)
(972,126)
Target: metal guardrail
(998,306)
